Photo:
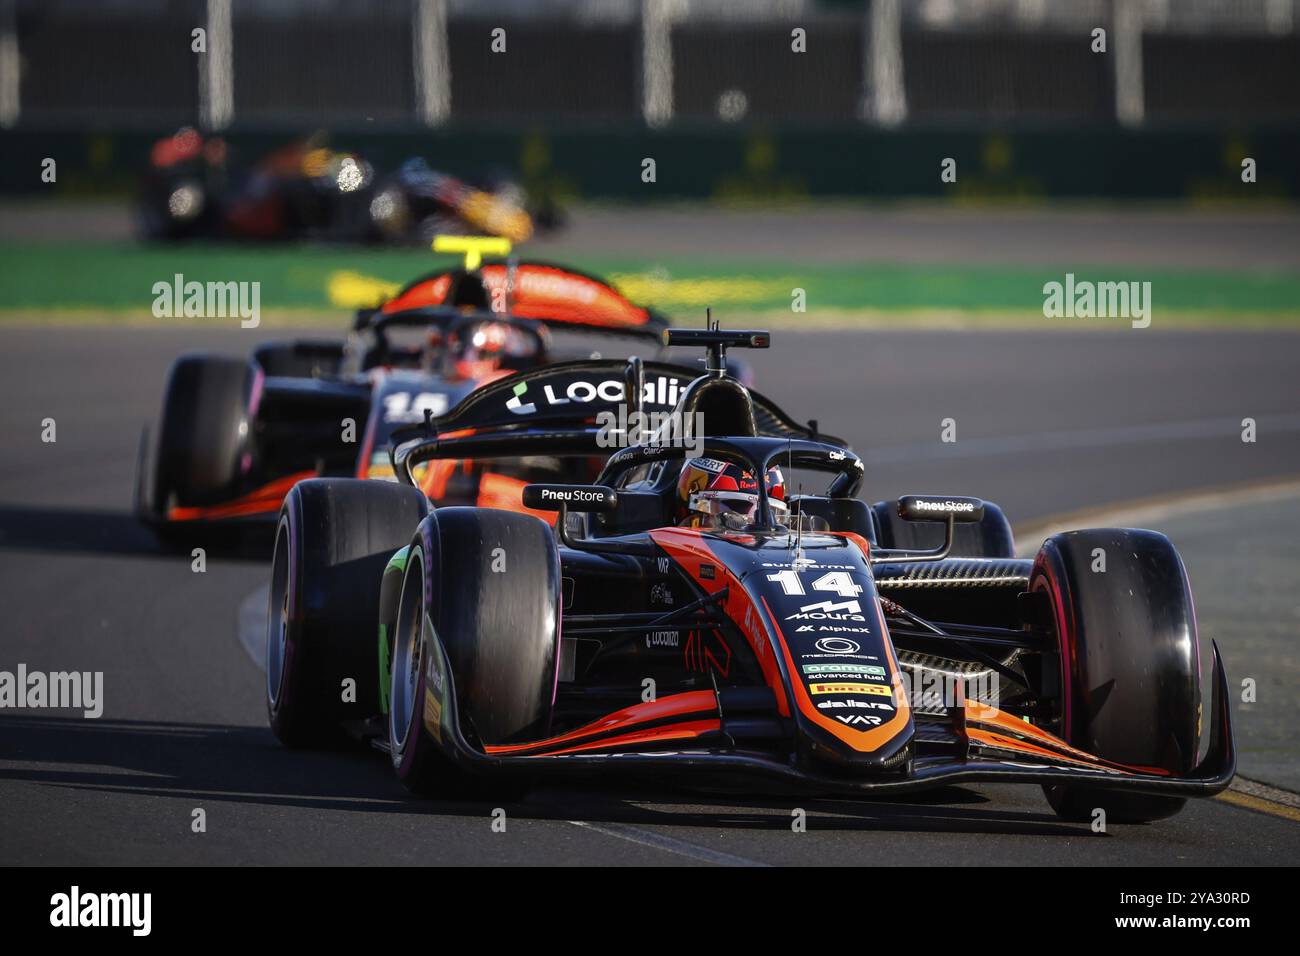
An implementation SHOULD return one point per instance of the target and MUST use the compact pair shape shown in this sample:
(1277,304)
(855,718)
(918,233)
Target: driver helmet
(719,494)
(477,350)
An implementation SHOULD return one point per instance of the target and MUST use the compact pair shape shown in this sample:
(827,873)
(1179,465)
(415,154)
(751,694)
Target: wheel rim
(1060,635)
(408,651)
(277,619)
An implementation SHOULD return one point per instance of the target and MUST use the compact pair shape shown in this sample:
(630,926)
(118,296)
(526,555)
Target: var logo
(859,720)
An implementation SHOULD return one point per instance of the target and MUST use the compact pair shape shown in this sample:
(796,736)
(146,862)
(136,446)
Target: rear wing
(545,410)
(552,294)
(574,393)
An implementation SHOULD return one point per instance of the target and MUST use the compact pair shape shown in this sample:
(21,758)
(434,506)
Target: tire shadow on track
(212,761)
(246,765)
(68,530)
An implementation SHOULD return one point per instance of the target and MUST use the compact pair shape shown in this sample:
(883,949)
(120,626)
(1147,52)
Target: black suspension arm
(896,610)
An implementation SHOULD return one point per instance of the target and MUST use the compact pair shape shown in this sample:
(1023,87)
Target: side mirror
(566,498)
(716,341)
(727,338)
(940,508)
(573,497)
(949,510)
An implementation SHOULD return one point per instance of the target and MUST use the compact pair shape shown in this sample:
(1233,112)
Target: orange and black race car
(236,433)
(686,614)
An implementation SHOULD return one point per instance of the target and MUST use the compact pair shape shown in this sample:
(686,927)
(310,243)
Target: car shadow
(70,530)
(947,810)
(209,761)
(247,765)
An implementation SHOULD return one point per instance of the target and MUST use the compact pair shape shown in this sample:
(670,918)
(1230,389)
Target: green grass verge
(78,281)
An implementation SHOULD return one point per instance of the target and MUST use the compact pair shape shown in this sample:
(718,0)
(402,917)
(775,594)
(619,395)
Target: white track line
(667,844)
(1082,438)
(1145,511)
(252,625)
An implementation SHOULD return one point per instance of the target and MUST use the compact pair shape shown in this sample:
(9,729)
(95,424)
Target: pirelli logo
(847,687)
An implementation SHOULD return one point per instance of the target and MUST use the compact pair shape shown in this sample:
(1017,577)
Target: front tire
(477,629)
(334,539)
(1130,663)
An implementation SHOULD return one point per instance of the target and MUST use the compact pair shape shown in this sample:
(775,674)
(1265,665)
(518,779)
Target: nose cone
(848,697)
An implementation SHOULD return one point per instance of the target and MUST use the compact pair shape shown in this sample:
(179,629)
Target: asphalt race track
(1046,422)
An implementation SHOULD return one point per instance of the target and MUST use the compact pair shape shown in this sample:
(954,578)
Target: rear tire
(485,585)
(991,537)
(334,539)
(1130,671)
(205,437)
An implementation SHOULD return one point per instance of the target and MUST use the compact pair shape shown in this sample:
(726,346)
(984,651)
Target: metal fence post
(216,69)
(10,104)
(1279,16)
(657,60)
(886,100)
(432,58)
(1130,98)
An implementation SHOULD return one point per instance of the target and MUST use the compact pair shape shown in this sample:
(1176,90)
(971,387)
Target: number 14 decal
(837,581)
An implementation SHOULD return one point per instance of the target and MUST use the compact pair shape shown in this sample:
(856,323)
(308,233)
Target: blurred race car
(418,203)
(183,189)
(686,614)
(308,190)
(236,433)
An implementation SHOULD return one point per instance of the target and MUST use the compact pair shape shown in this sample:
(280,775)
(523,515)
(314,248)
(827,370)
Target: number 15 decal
(838,582)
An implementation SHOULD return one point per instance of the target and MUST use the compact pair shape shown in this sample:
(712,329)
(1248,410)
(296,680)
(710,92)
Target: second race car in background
(237,433)
(308,190)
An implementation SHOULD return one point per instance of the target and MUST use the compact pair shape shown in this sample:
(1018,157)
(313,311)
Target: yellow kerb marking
(1260,805)
(353,290)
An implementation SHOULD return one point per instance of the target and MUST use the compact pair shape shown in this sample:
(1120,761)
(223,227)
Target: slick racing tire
(990,538)
(1129,659)
(334,538)
(476,641)
(205,432)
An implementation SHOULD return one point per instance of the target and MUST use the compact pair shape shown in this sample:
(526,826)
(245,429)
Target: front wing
(687,734)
